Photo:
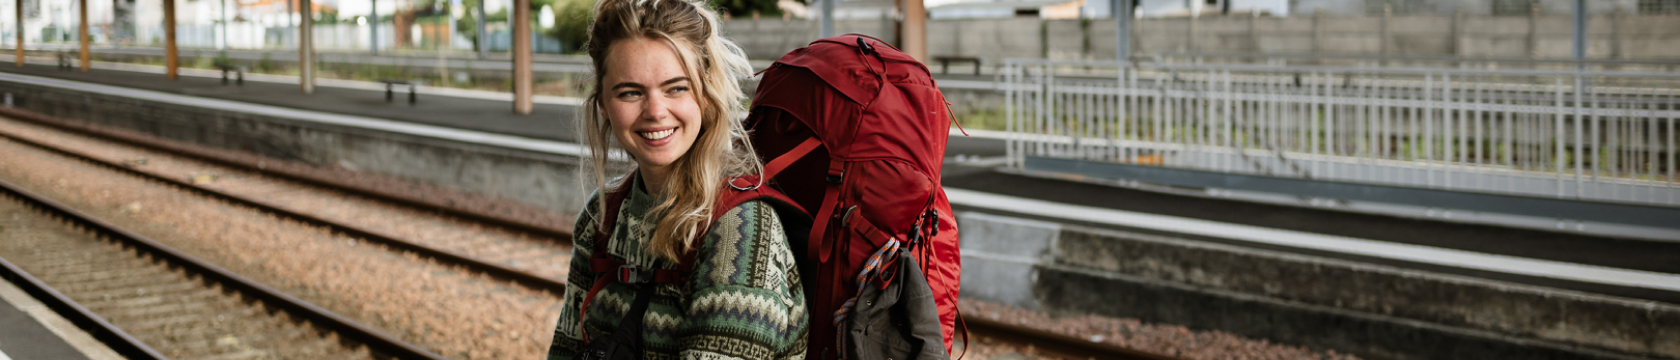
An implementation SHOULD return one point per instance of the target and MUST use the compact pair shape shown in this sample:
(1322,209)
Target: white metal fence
(1599,136)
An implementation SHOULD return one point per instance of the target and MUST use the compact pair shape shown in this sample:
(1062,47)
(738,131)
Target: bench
(64,61)
(239,72)
(411,85)
(945,63)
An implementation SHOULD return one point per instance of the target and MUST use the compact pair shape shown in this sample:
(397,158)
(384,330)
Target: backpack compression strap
(614,270)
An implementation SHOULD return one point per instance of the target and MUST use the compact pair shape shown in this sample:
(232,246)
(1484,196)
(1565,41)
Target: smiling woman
(657,273)
(651,106)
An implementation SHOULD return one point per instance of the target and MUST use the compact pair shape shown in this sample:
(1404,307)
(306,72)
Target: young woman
(667,93)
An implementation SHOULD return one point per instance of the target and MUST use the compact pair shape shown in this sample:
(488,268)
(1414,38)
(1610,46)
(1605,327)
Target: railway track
(500,262)
(1047,342)
(149,301)
(560,232)
(1054,344)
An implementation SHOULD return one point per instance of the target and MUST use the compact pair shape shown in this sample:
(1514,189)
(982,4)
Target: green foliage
(745,7)
(571,23)
(221,59)
(984,119)
(468,25)
(267,64)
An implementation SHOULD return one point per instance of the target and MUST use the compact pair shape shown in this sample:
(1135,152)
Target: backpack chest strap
(618,271)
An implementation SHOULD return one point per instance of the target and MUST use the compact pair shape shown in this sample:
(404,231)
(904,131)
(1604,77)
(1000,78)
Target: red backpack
(854,132)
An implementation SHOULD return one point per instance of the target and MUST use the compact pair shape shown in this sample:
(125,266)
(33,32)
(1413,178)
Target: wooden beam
(915,30)
(87,57)
(171,53)
(522,57)
(18,5)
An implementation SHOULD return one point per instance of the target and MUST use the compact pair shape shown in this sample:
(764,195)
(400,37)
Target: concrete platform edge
(74,336)
(1371,310)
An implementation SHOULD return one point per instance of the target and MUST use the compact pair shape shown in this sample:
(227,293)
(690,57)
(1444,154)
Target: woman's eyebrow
(674,80)
(628,84)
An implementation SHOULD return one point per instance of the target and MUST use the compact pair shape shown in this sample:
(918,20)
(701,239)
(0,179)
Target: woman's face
(650,102)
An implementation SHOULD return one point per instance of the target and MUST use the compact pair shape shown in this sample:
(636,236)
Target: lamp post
(483,38)
(373,27)
(827,18)
(1123,32)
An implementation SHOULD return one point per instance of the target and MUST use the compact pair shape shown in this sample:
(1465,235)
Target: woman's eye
(678,90)
(630,95)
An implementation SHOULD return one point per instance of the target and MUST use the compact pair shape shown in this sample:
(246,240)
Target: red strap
(819,246)
(615,200)
(781,162)
(863,228)
(583,309)
(599,260)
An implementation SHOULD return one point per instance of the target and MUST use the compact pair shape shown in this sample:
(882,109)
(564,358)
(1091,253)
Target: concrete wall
(542,179)
(1375,311)
(1611,36)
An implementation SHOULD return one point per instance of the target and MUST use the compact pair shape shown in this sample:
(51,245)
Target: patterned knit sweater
(743,300)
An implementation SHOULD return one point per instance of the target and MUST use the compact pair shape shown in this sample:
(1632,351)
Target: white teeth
(656,135)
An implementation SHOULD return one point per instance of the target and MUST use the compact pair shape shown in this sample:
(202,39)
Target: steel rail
(1050,342)
(375,340)
(533,281)
(1059,344)
(564,235)
(115,338)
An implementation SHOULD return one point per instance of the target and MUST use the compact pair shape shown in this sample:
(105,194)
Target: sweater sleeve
(568,331)
(745,300)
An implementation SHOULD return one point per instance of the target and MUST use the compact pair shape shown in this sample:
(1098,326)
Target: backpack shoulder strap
(599,261)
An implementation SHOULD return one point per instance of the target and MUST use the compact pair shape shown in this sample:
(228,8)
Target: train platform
(34,331)
(1545,265)
(553,121)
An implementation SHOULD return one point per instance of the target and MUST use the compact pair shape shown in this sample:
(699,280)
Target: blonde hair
(721,150)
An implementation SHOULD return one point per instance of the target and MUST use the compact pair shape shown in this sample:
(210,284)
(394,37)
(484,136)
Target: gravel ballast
(452,311)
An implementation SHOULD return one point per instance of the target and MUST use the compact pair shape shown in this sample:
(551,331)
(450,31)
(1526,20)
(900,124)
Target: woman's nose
(654,107)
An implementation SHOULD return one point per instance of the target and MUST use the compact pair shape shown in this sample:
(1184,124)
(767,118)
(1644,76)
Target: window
(1659,7)
(1512,7)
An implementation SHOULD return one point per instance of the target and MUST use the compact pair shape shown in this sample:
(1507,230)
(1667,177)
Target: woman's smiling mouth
(656,135)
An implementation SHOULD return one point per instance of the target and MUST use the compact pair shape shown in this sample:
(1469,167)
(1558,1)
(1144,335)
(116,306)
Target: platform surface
(554,122)
(31,331)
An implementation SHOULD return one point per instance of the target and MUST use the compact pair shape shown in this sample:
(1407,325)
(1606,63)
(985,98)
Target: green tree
(571,23)
(745,7)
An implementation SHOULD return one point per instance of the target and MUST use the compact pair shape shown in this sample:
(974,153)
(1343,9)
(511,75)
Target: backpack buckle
(745,187)
(630,274)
